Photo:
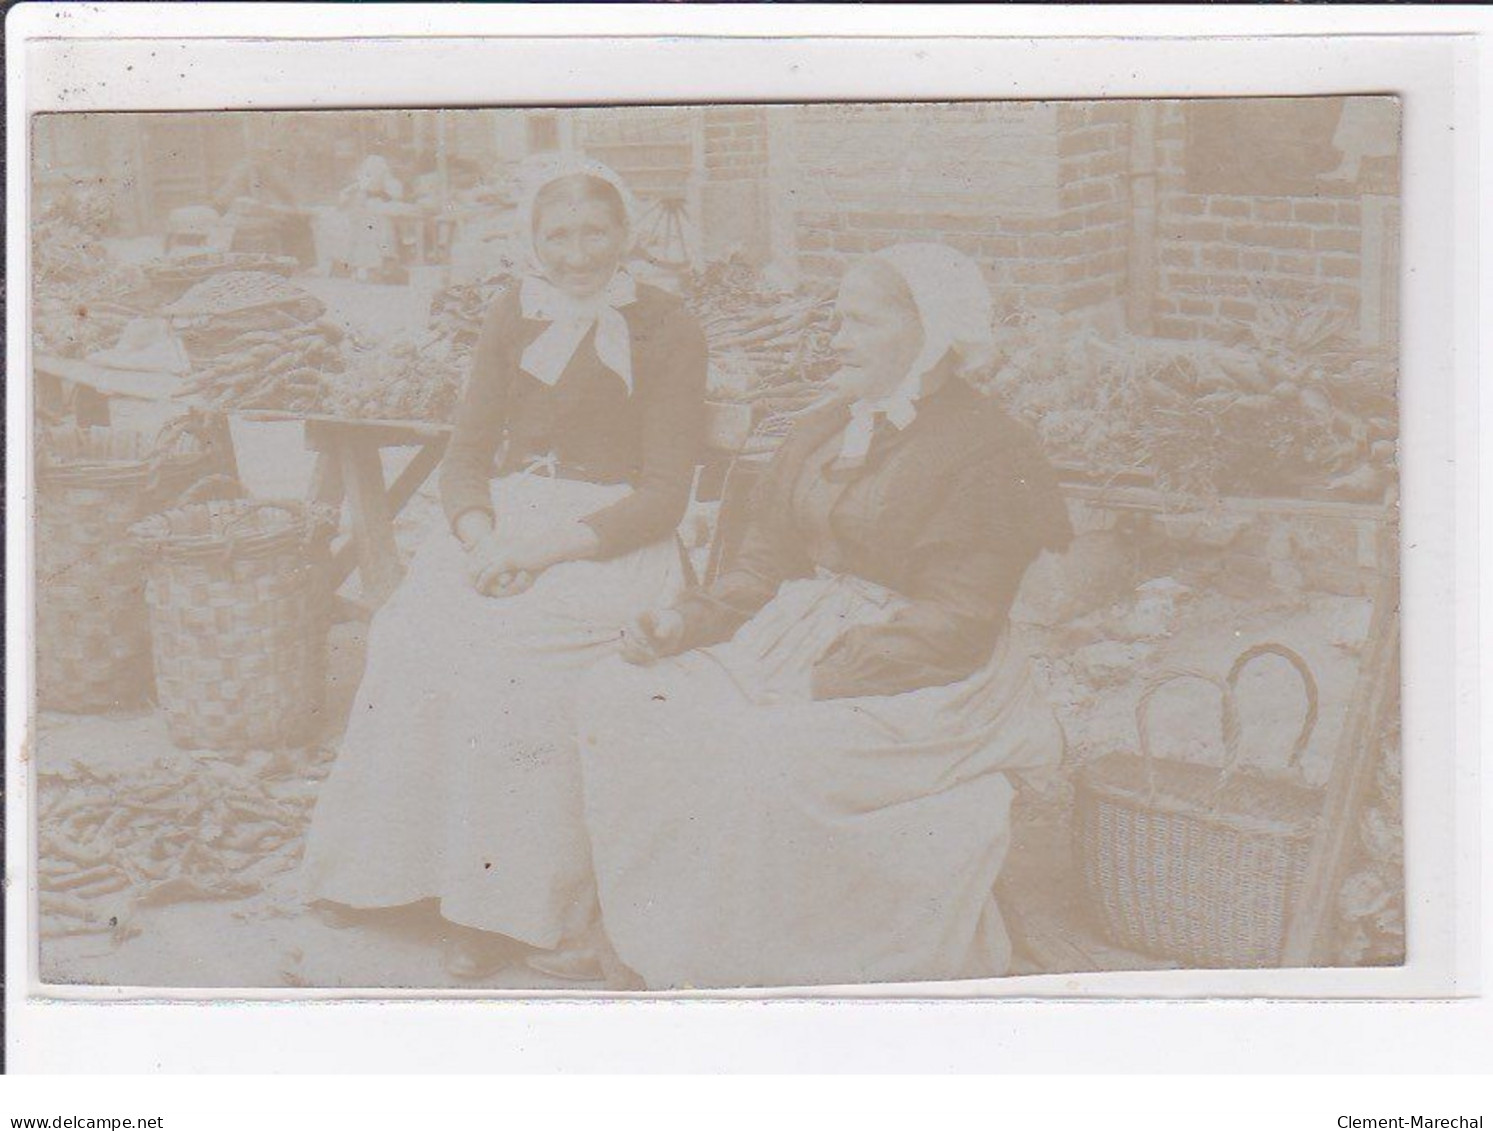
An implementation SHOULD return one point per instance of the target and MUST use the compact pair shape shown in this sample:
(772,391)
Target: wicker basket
(239,600)
(92,641)
(1200,864)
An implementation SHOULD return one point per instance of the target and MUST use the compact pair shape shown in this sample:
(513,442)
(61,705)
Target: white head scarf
(570,319)
(954,306)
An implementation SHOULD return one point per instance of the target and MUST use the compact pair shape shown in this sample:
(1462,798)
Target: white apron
(457,777)
(745,835)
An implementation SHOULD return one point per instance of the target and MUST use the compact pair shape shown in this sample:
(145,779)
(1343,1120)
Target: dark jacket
(650,439)
(948,512)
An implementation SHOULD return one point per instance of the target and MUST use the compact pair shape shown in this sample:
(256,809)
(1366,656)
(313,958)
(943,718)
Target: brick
(1315,211)
(1188,206)
(1190,305)
(1340,266)
(1274,235)
(1176,328)
(1236,308)
(1220,258)
(1273,210)
(1076,270)
(1203,230)
(1090,294)
(884,221)
(814,239)
(1111,112)
(953,222)
(1228,206)
(1038,296)
(822,220)
(1348,212)
(1043,272)
(1336,239)
(1092,139)
(1074,116)
(853,243)
(961,241)
(1255,260)
(820,265)
(1093,240)
(1000,247)
(1207,284)
(1041,246)
(1112,213)
(1292,264)
(1024,225)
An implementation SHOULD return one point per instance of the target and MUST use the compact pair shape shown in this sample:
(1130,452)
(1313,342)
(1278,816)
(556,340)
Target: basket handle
(198,492)
(188,424)
(310,517)
(1308,684)
(1229,722)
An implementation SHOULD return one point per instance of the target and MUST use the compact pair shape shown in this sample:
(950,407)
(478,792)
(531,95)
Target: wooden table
(349,467)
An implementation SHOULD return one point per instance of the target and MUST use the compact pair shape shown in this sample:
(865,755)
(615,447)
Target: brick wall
(1094,217)
(1036,192)
(734,184)
(982,178)
(1041,195)
(1213,248)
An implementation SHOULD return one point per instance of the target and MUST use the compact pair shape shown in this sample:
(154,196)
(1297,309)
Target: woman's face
(579,243)
(879,334)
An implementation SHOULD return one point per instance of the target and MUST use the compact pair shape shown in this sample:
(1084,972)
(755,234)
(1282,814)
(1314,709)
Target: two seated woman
(795,775)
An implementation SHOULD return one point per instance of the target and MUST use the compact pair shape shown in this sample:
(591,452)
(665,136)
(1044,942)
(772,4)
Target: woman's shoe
(473,954)
(573,962)
(338,916)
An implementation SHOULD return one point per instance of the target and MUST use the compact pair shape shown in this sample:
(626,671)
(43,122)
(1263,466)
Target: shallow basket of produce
(1199,864)
(92,484)
(239,599)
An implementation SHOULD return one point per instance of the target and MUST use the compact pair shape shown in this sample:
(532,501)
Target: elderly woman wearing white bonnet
(801,775)
(567,475)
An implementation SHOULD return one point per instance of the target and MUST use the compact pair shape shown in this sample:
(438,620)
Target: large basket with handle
(1199,864)
(92,484)
(239,601)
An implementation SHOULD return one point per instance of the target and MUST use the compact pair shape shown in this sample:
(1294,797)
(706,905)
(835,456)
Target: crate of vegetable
(1291,408)
(769,349)
(173,276)
(81,298)
(256,341)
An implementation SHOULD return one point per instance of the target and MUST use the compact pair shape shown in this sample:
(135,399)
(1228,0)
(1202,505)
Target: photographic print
(701,547)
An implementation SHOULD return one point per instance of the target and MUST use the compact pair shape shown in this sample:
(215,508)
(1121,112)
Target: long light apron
(745,835)
(458,775)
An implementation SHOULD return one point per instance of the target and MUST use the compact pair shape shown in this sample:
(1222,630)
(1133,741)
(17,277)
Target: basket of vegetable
(238,596)
(92,637)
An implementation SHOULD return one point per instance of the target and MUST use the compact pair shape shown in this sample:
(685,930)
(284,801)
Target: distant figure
(371,241)
(257,199)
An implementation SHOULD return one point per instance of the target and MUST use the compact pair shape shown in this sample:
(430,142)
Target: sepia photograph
(703,547)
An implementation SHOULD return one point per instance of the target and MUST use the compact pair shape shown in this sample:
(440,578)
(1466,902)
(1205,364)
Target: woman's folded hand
(493,570)
(655,633)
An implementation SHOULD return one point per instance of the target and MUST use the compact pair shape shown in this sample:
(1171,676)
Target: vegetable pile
(402,378)
(203,829)
(1292,408)
(81,298)
(256,341)
(172,276)
(768,349)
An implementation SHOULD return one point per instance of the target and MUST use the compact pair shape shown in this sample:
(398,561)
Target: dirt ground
(1094,667)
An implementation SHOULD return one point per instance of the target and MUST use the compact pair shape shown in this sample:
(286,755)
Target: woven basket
(92,640)
(1199,864)
(238,601)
